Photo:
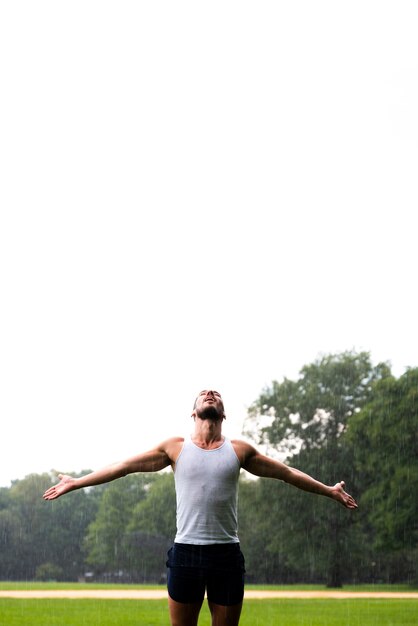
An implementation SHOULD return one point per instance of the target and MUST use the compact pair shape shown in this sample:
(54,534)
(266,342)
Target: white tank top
(207,494)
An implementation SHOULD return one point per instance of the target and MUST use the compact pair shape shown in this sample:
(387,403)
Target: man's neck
(207,432)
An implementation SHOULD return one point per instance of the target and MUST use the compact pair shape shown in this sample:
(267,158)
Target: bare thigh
(182,614)
(225,615)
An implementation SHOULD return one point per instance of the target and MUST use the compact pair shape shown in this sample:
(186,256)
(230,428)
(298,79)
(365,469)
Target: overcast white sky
(195,195)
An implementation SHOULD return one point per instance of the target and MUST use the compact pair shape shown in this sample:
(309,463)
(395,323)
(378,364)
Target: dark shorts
(219,569)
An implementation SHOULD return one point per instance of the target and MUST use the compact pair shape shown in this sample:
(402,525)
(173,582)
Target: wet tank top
(207,494)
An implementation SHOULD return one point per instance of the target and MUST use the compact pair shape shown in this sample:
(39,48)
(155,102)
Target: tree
(385,446)
(308,420)
(33,532)
(104,542)
(260,514)
(151,530)
(11,536)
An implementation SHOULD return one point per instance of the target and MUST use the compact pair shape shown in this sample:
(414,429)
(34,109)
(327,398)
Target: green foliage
(313,411)
(33,532)
(260,516)
(384,437)
(309,419)
(49,572)
(104,542)
(11,539)
(133,527)
(158,511)
(151,530)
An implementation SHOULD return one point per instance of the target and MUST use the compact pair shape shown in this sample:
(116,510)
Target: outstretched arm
(151,461)
(263,466)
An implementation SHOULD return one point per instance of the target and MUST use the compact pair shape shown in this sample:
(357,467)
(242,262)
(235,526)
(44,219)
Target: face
(209,405)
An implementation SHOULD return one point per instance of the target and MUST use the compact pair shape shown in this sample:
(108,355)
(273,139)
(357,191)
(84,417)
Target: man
(206,554)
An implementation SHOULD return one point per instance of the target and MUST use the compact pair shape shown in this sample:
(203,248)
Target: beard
(209,413)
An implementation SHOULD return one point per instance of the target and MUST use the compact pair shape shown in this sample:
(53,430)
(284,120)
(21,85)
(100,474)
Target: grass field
(255,613)
(277,612)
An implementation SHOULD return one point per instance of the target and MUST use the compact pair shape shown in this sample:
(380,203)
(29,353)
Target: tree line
(342,418)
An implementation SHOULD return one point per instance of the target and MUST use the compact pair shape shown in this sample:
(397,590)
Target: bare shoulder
(243,450)
(257,463)
(172,447)
(172,441)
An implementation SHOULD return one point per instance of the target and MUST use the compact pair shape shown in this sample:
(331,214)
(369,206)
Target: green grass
(277,612)
(83,612)
(255,613)
(330,613)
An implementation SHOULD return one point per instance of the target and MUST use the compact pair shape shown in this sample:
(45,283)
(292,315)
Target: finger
(50,494)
